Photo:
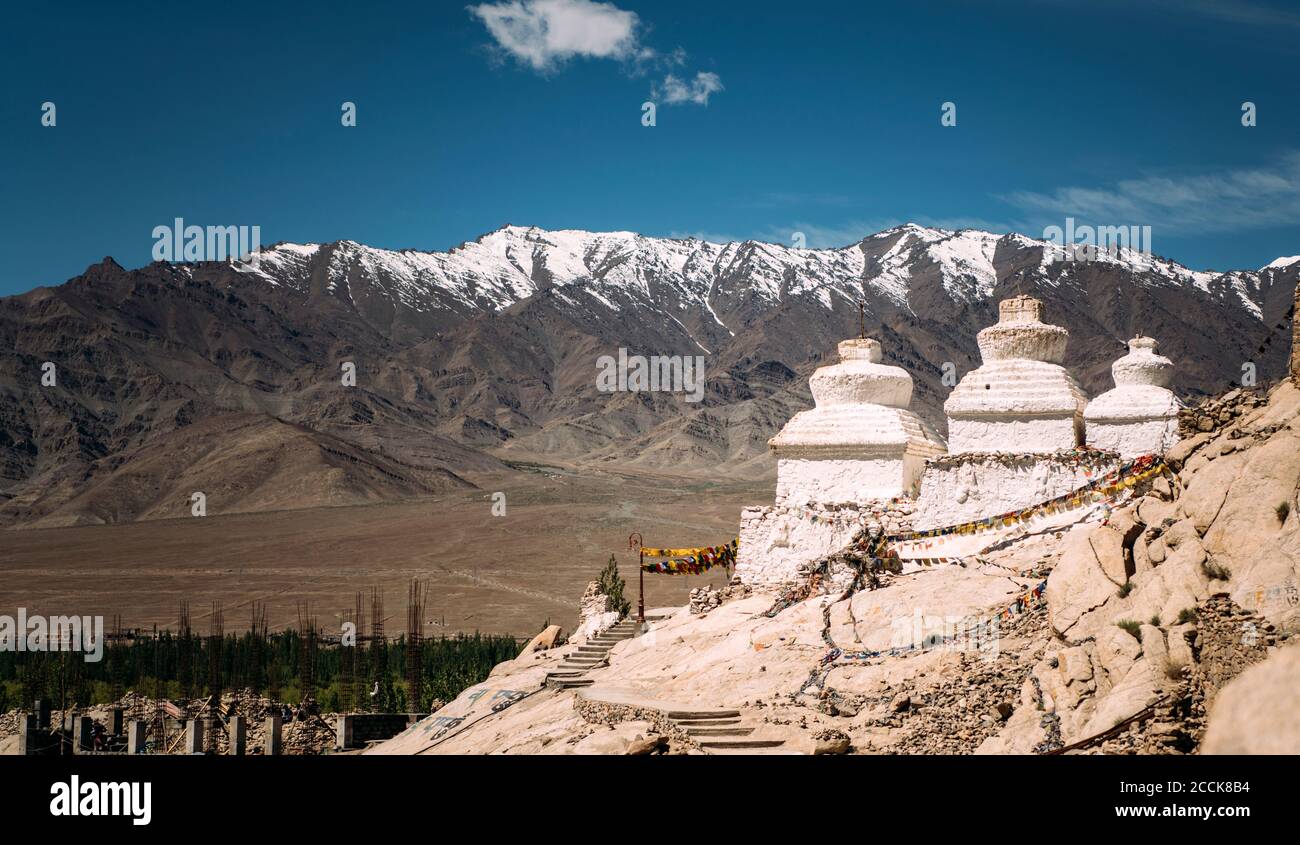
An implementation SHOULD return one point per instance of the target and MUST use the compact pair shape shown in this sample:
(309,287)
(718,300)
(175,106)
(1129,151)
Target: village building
(1139,416)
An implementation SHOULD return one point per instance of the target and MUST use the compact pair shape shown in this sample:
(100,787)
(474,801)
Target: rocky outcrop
(1256,713)
(595,613)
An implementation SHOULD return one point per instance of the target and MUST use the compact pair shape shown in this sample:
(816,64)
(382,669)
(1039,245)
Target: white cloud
(674,90)
(546,33)
(1226,201)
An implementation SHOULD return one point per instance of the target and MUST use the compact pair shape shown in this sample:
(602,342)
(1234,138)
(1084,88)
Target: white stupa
(1020,399)
(860,442)
(1140,415)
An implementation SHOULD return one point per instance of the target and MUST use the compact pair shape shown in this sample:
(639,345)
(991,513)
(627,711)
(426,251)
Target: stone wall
(1295,338)
(597,712)
(960,488)
(775,541)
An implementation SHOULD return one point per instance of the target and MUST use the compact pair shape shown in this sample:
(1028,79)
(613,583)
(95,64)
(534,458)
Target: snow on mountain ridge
(512,263)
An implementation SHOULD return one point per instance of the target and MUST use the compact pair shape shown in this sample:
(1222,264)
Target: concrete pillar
(273,738)
(237,728)
(115,721)
(194,736)
(42,711)
(29,735)
(82,735)
(343,726)
(135,736)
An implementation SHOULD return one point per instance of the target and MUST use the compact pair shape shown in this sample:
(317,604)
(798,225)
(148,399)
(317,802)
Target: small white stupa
(1140,415)
(1020,399)
(860,442)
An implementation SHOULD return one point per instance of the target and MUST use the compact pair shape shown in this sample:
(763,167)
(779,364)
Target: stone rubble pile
(955,709)
(1216,412)
(704,599)
(1225,641)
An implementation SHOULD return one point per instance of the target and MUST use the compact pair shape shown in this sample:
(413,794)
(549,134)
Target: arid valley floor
(497,574)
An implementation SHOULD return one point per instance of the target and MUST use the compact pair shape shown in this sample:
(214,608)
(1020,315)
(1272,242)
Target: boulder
(1116,651)
(1074,665)
(1153,511)
(1079,583)
(1180,650)
(547,639)
(1154,649)
(1256,712)
(1183,449)
(1138,690)
(1203,501)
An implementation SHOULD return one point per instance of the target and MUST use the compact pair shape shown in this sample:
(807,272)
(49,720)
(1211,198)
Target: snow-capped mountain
(513,263)
(489,350)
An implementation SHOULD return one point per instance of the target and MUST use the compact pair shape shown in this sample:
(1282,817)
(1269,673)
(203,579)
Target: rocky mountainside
(1168,625)
(488,353)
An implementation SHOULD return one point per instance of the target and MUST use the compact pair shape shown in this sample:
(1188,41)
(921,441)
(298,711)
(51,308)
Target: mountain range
(226,377)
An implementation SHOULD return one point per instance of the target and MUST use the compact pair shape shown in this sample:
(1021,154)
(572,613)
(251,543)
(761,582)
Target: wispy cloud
(1238,11)
(674,90)
(1189,204)
(545,34)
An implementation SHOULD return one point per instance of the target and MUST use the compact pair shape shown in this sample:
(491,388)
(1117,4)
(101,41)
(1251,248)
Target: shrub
(1187,614)
(1132,627)
(1125,589)
(612,585)
(1155,620)
(1215,571)
(1283,510)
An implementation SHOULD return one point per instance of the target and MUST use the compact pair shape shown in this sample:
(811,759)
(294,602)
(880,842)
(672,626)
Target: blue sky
(771,118)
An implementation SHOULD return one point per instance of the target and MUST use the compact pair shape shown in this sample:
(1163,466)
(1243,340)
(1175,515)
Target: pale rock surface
(1256,713)
(1039,690)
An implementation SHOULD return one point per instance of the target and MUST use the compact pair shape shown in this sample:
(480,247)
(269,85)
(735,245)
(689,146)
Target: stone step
(783,750)
(710,744)
(568,683)
(591,659)
(719,731)
(591,649)
(678,715)
(705,723)
(558,673)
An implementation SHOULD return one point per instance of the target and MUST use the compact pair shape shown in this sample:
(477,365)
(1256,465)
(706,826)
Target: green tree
(612,585)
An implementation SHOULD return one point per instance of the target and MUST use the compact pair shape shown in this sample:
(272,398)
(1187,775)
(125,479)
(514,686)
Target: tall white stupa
(1139,416)
(861,441)
(1020,399)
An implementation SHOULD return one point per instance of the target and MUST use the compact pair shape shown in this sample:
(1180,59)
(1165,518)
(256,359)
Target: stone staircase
(722,732)
(595,652)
